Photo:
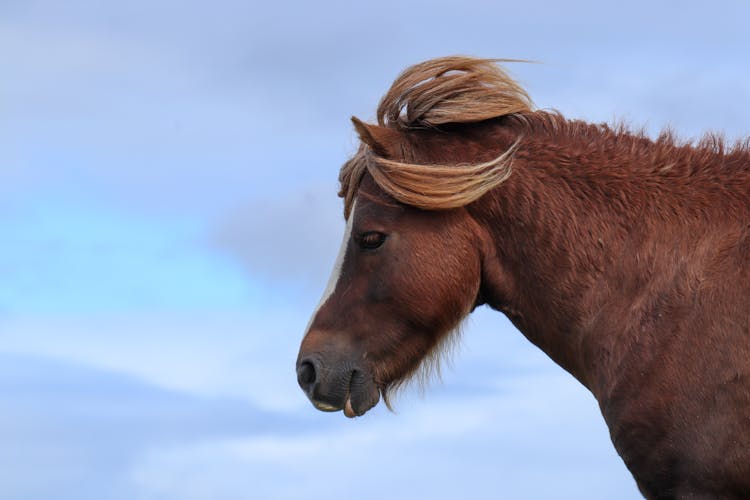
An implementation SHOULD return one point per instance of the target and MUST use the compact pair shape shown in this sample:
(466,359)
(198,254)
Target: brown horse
(626,260)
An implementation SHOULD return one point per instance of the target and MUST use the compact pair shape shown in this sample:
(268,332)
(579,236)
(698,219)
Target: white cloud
(508,443)
(216,355)
(503,418)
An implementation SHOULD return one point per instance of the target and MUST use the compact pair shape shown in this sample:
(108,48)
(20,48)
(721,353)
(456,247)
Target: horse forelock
(424,186)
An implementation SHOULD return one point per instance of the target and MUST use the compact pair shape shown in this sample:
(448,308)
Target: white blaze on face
(334,279)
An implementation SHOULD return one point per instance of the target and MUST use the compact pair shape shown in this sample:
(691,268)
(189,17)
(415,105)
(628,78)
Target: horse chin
(348,410)
(363,395)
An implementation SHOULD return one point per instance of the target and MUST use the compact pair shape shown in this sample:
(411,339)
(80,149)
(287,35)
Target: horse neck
(559,233)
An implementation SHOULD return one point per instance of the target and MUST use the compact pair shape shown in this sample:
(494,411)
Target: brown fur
(626,260)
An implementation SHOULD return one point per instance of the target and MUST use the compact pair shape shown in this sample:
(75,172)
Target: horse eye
(371,240)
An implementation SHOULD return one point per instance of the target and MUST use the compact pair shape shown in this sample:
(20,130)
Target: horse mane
(666,156)
(454,89)
(465,90)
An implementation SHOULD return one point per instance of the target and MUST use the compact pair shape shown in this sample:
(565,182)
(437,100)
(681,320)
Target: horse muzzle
(340,386)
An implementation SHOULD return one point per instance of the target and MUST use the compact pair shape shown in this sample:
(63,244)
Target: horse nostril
(306,375)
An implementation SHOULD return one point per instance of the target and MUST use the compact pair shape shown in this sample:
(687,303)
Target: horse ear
(383,141)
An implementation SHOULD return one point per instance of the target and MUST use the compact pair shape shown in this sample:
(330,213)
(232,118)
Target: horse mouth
(323,406)
(348,408)
(353,391)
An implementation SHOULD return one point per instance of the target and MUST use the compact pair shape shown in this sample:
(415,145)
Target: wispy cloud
(419,453)
(80,429)
(248,357)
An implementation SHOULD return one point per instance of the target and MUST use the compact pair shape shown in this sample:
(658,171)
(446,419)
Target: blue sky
(168,215)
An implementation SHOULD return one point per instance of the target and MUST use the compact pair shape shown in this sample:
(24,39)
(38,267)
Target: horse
(625,258)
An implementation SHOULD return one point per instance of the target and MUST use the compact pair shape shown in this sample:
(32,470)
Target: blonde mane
(446,90)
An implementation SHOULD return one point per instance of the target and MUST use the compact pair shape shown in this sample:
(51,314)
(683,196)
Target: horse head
(404,279)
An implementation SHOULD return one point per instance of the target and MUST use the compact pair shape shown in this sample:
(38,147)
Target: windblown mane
(446,90)
(452,89)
